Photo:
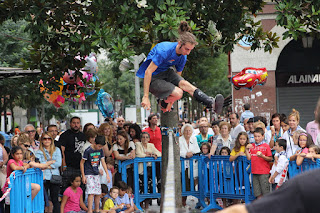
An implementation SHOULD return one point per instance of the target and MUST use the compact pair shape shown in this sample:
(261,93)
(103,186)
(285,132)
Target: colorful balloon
(105,104)
(249,77)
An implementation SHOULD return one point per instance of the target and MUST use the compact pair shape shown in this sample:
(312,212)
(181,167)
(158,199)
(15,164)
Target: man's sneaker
(218,105)
(163,105)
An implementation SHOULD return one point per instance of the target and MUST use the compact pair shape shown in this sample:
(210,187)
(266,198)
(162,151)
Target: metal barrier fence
(307,164)
(218,178)
(20,194)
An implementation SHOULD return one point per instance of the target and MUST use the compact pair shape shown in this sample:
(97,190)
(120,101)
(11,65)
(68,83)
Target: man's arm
(63,164)
(146,85)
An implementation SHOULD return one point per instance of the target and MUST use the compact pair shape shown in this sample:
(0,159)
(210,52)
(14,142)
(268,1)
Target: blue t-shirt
(92,157)
(123,200)
(164,56)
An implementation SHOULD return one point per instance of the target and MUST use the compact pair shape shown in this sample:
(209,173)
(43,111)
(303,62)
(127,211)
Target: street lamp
(124,65)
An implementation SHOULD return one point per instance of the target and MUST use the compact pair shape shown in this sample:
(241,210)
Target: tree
(62,29)
(300,18)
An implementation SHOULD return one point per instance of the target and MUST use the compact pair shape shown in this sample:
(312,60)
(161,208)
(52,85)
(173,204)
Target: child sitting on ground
(72,200)
(277,169)
(131,198)
(260,155)
(123,198)
(110,206)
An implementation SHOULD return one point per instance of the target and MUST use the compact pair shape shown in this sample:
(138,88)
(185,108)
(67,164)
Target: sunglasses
(26,145)
(46,139)
(31,131)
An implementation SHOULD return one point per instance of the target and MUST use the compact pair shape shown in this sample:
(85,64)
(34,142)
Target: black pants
(66,179)
(53,191)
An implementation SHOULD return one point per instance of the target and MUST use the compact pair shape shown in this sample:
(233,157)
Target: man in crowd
(196,131)
(53,130)
(247,113)
(154,132)
(236,126)
(29,128)
(204,135)
(120,122)
(71,142)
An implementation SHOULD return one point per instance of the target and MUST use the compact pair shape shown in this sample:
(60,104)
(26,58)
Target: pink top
(305,150)
(73,202)
(9,170)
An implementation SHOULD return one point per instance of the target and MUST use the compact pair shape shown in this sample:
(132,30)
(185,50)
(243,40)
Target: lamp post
(135,60)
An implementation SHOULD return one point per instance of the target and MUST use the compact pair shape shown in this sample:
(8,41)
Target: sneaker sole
(218,105)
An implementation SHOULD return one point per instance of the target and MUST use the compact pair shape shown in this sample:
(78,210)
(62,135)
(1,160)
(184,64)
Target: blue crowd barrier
(307,164)
(225,179)
(20,194)
(218,178)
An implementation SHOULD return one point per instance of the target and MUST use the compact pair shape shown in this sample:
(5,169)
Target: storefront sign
(297,80)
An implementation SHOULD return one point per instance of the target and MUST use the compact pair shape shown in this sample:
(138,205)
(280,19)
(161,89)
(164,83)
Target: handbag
(56,179)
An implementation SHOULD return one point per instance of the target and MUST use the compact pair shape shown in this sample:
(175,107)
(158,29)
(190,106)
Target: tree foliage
(61,29)
(300,18)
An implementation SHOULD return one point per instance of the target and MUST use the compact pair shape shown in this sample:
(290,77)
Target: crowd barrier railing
(20,194)
(307,164)
(225,179)
(217,178)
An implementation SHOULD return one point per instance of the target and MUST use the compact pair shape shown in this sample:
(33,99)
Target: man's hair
(185,35)
(51,125)
(122,186)
(1,138)
(100,140)
(246,106)
(259,130)
(150,117)
(28,126)
(282,142)
(237,115)
(215,123)
(75,117)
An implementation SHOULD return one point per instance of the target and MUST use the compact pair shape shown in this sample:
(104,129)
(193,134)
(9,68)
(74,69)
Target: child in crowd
(131,198)
(107,178)
(17,164)
(304,141)
(260,155)
(104,194)
(123,198)
(295,138)
(225,151)
(240,146)
(110,206)
(277,169)
(314,152)
(285,124)
(205,148)
(89,167)
(72,200)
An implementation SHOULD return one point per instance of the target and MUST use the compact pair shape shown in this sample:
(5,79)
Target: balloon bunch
(105,104)
(75,87)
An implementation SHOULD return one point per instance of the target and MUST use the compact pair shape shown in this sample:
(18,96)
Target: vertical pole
(137,91)
(170,120)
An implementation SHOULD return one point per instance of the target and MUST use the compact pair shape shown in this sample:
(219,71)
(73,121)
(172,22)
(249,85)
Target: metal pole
(137,90)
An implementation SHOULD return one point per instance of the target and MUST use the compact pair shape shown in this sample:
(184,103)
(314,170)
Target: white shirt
(291,147)
(281,165)
(236,130)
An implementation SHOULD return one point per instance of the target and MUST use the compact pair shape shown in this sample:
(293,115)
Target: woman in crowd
(88,126)
(276,129)
(135,132)
(188,147)
(293,119)
(146,149)
(124,150)
(106,130)
(224,139)
(48,152)
(14,141)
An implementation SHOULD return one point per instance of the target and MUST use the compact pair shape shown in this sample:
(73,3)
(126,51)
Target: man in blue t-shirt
(162,73)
